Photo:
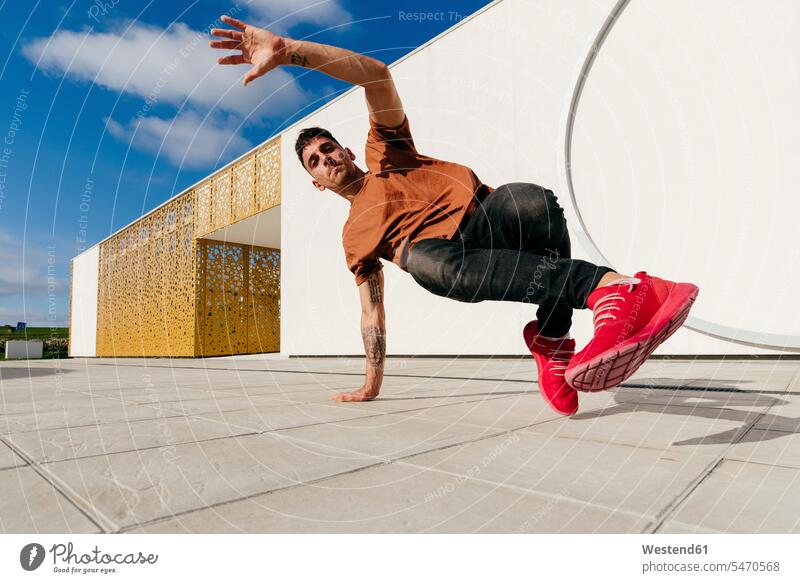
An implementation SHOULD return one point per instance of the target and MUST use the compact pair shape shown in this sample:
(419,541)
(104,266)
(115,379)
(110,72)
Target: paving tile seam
(308,483)
(734,390)
(532,429)
(669,449)
(770,428)
(755,463)
(682,498)
(63,406)
(100,521)
(381,462)
(389,460)
(728,407)
(218,394)
(249,431)
(89,424)
(376,414)
(378,463)
(542,493)
(283,433)
(147,448)
(125,401)
(793,380)
(516,381)
(358,374)
(672,507)
(687,525)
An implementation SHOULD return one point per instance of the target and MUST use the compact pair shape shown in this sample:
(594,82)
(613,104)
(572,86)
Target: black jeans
(514,247)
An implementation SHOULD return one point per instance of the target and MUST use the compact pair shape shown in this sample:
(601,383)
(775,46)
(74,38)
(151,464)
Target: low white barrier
(24,349)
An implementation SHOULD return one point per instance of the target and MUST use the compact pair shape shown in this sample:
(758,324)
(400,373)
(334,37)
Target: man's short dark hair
(309,134)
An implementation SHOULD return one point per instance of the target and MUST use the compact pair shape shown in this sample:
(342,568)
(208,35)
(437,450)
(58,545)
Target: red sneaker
(552,358)
(630,320)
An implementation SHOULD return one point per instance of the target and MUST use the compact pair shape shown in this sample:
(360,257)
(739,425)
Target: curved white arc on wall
(705,194)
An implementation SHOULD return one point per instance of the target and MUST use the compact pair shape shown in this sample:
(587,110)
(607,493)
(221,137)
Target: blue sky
(110,107)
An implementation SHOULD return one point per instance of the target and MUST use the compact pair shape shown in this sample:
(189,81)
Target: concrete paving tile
(30,504)
(794,384)
(784,416)
(706,430)
(675,527)
(331,384)
(132,487)
(8,458)
(18,373)
(262,389)
(394,404)
(63,444)
(430,392)
(426,404)
(473,368)
(745,498)
(776,448)
(140,395)
(500,413)
(401,499)
(76,416)
(389,436)
(41,404)
(466,387)
(216,405)
(518,371)
(748,401)
(742,375)
(286,416)
(642,481)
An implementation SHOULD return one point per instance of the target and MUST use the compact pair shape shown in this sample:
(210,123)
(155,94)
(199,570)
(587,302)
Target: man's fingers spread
(253,73)
(226,33)
(225,44)
(233,22)
(231,60)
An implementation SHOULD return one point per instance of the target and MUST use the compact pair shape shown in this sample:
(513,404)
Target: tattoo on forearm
(375,345)
(300,60)
(375,291)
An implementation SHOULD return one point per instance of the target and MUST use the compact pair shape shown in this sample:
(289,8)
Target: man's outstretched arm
(266,51)
(373,331)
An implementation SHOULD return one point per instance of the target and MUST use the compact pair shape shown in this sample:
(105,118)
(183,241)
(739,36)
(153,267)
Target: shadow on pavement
(8,373)
(713,407)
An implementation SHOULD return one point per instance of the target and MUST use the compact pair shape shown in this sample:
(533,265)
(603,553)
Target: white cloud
(176,67)
(280,15)
(186,140)
(164,66)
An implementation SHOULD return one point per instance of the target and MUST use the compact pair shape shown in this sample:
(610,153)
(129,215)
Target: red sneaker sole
(613,367)
(527,335)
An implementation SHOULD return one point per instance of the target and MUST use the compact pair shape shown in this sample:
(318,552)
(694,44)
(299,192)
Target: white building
(670,141)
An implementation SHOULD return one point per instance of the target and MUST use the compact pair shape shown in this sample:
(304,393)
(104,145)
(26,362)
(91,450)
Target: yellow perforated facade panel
(264,307)
(164,290)
(238,298)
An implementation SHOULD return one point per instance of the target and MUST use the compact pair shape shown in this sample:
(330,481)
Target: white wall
(495,93)
(83,320)
(686,160)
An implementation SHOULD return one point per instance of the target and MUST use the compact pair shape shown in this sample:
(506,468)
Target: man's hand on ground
(258,47)
(361,394)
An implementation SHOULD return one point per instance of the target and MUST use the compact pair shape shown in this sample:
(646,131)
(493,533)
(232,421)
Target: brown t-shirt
(405,197)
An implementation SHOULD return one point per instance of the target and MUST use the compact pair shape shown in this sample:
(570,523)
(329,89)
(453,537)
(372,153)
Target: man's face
(330,165)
